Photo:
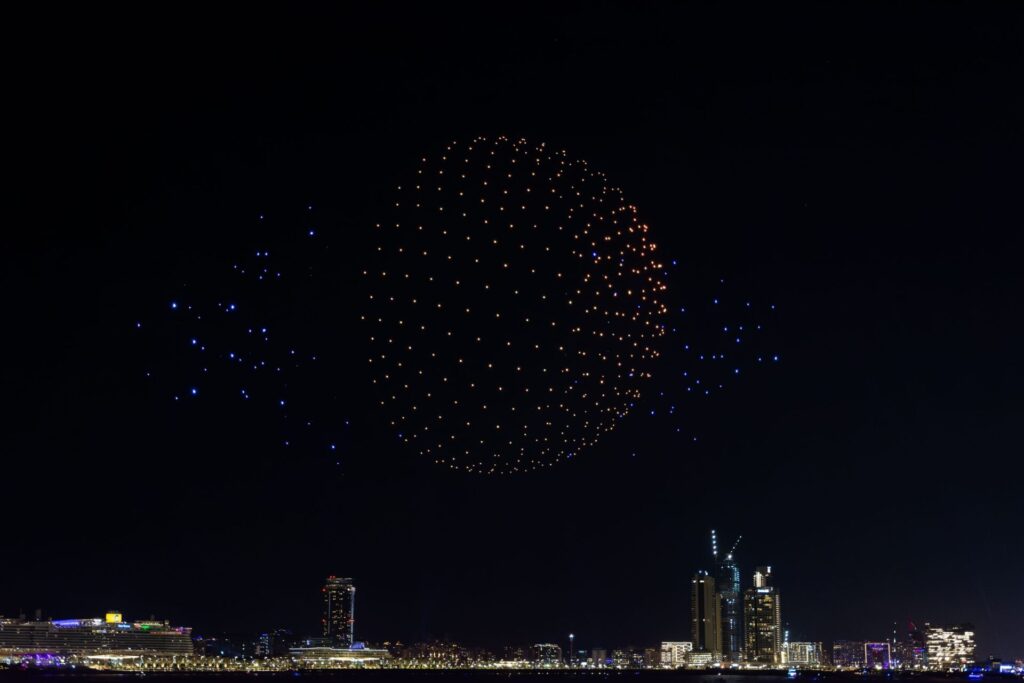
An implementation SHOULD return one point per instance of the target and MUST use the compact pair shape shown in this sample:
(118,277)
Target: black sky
(858,164)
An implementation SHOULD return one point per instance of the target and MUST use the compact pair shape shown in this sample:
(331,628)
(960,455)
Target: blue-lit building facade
(727,582)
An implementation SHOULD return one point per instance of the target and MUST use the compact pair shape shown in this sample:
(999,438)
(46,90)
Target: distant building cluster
(730,628)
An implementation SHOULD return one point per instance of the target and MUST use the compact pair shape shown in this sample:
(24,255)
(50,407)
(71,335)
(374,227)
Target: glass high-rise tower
(727,582)
(339,611)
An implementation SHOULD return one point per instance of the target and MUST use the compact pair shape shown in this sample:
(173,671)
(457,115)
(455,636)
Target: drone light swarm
(514,308)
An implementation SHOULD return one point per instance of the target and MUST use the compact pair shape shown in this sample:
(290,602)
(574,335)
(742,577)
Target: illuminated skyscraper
(339,611)
(706,611)
(763,620)
(727,583)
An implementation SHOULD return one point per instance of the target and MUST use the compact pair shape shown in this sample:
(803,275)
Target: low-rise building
(802,654)
(848,654)
(949,647)
(673,653)
(336,657)
(546,654)
(877,656)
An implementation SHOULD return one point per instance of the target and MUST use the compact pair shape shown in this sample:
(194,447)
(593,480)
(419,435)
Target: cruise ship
(92,637)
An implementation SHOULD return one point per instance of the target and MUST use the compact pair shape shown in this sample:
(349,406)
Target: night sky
(859,168)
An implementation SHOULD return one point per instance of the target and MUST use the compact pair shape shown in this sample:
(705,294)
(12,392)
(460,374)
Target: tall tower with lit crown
(762,613)
(339,611)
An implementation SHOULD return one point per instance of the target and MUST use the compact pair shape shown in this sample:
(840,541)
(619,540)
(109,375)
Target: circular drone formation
(515,307)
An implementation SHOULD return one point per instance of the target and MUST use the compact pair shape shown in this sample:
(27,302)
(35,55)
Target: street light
(572,652)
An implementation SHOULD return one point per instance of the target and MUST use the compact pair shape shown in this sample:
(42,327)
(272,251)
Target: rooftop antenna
(733,549)
(714,544)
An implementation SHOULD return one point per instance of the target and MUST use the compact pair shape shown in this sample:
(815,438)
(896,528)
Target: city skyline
(118,642)
(764,642)
(498,310)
